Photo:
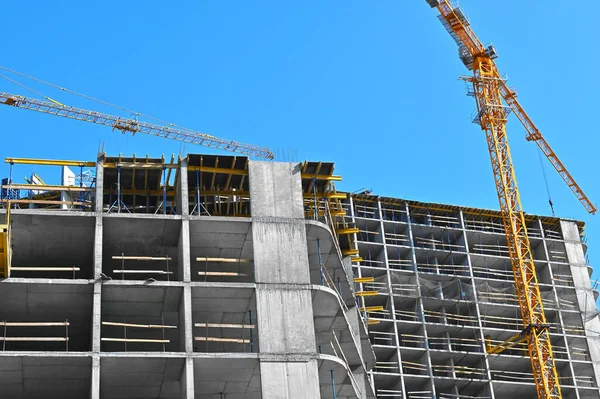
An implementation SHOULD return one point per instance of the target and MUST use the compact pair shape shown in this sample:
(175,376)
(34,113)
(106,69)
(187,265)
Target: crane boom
(492,117)
(533,134)
(133,126)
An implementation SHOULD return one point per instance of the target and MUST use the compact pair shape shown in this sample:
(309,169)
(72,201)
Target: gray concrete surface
(288,306)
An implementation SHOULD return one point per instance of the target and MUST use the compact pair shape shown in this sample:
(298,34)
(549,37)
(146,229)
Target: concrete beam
(275,190)
(100,184)
(182,195)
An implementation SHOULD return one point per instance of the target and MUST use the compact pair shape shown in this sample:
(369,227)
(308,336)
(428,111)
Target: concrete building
(136,288)
(444,286)
(219,277)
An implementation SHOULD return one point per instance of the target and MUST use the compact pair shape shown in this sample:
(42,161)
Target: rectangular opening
(141,319)
(46,317)
(52,246)
(137,248)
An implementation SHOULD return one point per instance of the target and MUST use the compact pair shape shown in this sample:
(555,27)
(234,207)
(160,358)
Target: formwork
(197,277)
(221,277)
(442,289)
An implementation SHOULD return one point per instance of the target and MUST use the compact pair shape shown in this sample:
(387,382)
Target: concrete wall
(283,296)
(583,289)
(278,293)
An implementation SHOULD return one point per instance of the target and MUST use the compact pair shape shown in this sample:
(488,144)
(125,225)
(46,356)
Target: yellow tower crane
(494,103)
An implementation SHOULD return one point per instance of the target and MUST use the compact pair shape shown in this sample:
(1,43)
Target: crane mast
(488,90)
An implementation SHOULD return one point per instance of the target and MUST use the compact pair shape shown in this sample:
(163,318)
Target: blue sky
(371,86)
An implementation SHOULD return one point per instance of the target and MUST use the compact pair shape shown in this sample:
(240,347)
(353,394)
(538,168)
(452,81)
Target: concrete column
(98,234)
(420,306)
(100,183)
(186,329)
(583,288)
(187,380)
(183,262)
(182,195)
(97,300)
(96,316)
(283,295)
(95,390)
(391,300)
(479,333)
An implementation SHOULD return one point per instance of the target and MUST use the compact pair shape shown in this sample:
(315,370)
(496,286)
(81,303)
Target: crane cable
(546,181)
(81,95)
(31,90)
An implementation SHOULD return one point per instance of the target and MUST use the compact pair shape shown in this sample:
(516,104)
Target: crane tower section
(492,117)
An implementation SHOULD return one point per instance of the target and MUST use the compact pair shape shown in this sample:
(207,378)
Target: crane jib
(128,125)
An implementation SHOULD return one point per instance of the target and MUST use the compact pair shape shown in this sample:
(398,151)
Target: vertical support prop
(333,386)
(198,191)
(165,190)
(118,188)
(320,261)
(251,336)
(315,208)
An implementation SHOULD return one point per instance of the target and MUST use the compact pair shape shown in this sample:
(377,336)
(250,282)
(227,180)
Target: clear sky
(369,85)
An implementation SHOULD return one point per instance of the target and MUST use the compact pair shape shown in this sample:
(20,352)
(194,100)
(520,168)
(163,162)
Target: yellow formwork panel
(349,230)
(367,293)
(4,251)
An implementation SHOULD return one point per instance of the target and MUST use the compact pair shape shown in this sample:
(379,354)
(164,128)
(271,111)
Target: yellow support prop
(364,279)
(48,162)
(349,230)
(5,250)
(372,309)
(325,195)
(367,293)
(321,177)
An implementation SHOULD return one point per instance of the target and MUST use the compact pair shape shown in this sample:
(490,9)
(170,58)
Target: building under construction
(218,277)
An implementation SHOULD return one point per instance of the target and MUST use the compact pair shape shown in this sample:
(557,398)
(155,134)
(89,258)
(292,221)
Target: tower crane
(494,103)
(130,125)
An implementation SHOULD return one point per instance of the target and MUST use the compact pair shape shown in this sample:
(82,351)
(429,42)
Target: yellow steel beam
(43,187)
(347,252)
(321,177)
(170,193)
(139,165)
(367,293)
(225,171)
(364,279)
(509,343)
(349,230)
(221,192)
(48,162)
(372,309)
(371,322)
(5,250)
(326,195)
(44,202)
(356,259)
